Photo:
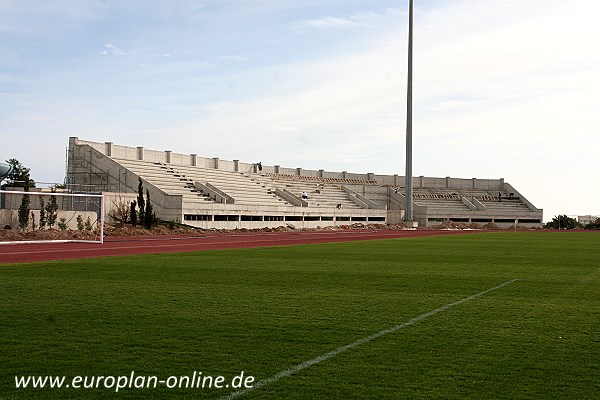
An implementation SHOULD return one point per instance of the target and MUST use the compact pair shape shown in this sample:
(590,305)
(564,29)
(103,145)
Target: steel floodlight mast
(408,195)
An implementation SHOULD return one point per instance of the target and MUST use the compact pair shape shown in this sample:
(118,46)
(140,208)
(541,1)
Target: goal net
(50,217)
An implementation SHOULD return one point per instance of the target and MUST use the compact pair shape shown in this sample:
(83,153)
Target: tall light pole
(408,195)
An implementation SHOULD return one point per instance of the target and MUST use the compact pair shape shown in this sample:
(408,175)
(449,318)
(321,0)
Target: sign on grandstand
(51,217)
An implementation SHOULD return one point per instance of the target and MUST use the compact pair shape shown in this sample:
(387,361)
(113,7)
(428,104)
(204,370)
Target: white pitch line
(364,340)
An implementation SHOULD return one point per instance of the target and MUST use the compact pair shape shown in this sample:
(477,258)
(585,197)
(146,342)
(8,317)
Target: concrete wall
(132,153)
(89,166)
(500,222)
(304,223)
(299,217)
(11,217)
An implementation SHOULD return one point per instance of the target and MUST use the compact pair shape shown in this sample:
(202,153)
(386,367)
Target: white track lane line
(157,246)
(321,358)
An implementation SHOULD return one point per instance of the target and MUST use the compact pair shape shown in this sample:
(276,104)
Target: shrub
(88,224)
(62,224)
(121,210)
(79,222)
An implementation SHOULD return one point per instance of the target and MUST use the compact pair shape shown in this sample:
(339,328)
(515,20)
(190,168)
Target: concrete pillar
(168,156)
(370,176)
(299,171)
(140,153)
(396,181)
(322,173)
(236,165)
(108,149)
(344,173)
(447,182)
(216,160)
(474,183)
(421,181)
(193,160)
(277,168)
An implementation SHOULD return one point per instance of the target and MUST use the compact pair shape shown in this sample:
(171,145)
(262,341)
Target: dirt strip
(122,246)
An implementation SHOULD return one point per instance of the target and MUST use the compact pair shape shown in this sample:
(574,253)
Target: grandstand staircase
(321,193)
(224,186)
(187,183)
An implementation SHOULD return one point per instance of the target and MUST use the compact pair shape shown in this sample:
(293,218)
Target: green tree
(149,217)
(562,222)
(51,211)
(24,212)
(140,202)
(593,225)
(19,177)
(42,214)
(133,213)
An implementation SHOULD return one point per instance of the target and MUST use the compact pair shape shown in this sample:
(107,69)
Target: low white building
(587,219)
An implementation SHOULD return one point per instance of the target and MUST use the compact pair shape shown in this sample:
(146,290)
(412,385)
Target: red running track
(120,246)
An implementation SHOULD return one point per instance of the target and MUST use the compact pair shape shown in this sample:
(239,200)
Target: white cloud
(335,22)
(42,19)
(112,49)
(232,58)
(368,19)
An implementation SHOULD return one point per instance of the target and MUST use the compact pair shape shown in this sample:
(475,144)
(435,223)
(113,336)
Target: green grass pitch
(265,310)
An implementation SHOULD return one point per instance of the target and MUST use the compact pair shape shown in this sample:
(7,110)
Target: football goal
(35,216)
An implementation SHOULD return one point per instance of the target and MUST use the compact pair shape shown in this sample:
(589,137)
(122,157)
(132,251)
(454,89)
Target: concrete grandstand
(214,193)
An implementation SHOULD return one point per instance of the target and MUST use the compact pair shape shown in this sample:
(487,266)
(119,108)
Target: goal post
(36,217)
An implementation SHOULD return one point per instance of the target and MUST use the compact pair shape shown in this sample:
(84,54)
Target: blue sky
(503,88)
